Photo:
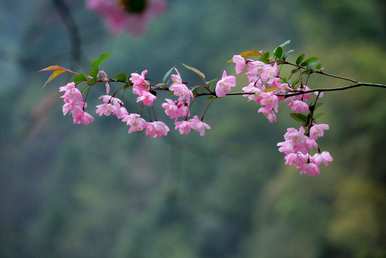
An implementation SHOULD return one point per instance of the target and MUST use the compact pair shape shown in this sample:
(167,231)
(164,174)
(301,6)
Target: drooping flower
(156,129)
(269,106)
(180,89)
(135,122)
(175,109)
(298,106)
(183,127)
(317,130)
(141,88)
(75,104)
(198,125)
(225,85)
(240,63)
(130,15)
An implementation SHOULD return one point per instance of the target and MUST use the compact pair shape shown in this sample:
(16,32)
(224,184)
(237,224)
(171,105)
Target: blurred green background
(69,191)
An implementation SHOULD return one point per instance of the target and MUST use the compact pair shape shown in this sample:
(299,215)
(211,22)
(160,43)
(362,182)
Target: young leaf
(310,61)
(56,70)
(96,63)
(251,53)
(122,77)
(80,78)
(300,59)
(265,57)
(195,71)
(167,74)
(278,52)
(284,44)
(299,117)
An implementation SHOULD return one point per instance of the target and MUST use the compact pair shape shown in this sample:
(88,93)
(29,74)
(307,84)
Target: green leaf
(310,61)
(80,78)
(300,59)
(195,71)
(299,117)
(278,52)
(96,63)
(167,74)
(122,77)
(265,57)
(284,44)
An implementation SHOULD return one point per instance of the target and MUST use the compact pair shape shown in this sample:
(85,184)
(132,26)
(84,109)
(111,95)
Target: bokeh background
(69,191)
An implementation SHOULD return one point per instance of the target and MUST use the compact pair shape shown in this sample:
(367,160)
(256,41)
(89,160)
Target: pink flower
(135,122)
(156,129)
(139,82)
(270,105)
(179,89)
(184,127)
(296,141)
(198,125)
(175,109)
(119,15)
(141,88)
(317,130)
(240,63)
(324,158)
(111,106)
(146,98)
(74,104)
(298,106)
(225,85)
(310,169)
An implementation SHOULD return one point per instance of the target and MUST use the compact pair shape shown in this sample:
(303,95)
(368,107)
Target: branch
(73,31)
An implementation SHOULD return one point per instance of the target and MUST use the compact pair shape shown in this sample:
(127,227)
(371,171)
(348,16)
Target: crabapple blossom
(179,89)
(74,104)
(135,122)
(175,109)
(198,125)
(225,85)
(183,127)
(141,88)
(317,130)
(298,106)
(240,63)
(156,129)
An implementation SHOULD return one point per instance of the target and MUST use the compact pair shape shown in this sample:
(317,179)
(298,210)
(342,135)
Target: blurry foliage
(95,191)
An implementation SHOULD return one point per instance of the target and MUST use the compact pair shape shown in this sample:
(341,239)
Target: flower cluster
(75,105)
(297,146)
(121,15)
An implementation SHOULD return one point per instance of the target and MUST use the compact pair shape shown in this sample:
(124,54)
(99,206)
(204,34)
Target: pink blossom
(82,118)
(298,106)
(74,104)
(135,122)
(225,85)
(310,169)
(156,129)
(270,106)
(184,127)
(139,82)
(146,98)
(119,17)
(198,125)
(317,130)
(179,89)
(110,106)
(141,88)
(239,62)
(324,158)
(175,109)
(296,141)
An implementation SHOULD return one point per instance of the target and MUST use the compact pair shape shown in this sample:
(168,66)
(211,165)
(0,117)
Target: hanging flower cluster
(266,86)
(127,15)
